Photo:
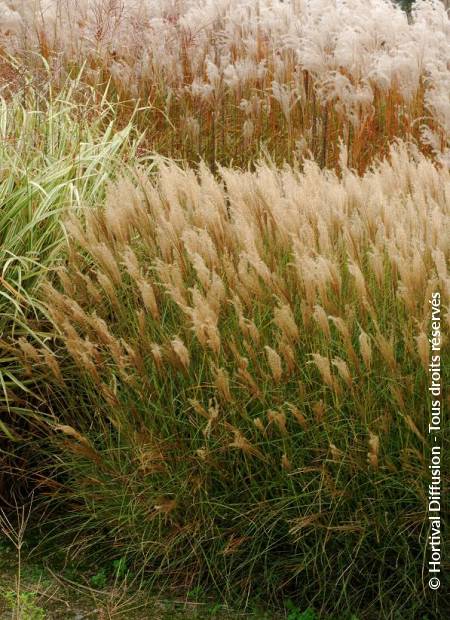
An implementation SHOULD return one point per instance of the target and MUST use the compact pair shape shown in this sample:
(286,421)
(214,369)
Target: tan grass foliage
(247,361)
(408,200)
(200,260)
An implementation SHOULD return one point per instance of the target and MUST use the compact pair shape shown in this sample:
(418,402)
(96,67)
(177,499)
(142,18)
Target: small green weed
(120,568)
(99,579)
(26,607)
(196,593)
(214,609)
(296,614)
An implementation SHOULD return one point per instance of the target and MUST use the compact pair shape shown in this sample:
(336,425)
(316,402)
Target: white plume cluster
(354,49)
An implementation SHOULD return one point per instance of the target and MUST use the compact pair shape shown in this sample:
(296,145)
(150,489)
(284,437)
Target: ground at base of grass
(72,595)
(92,593)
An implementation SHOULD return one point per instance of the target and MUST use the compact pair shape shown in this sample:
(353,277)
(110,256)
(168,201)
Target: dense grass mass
(245,389)
(221,224)
(225,80)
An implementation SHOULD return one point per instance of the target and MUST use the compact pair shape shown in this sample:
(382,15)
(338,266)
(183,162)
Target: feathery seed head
(274,361)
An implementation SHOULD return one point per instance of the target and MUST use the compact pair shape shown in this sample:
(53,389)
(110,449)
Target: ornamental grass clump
(56,157)
(236,386)
(229,80)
